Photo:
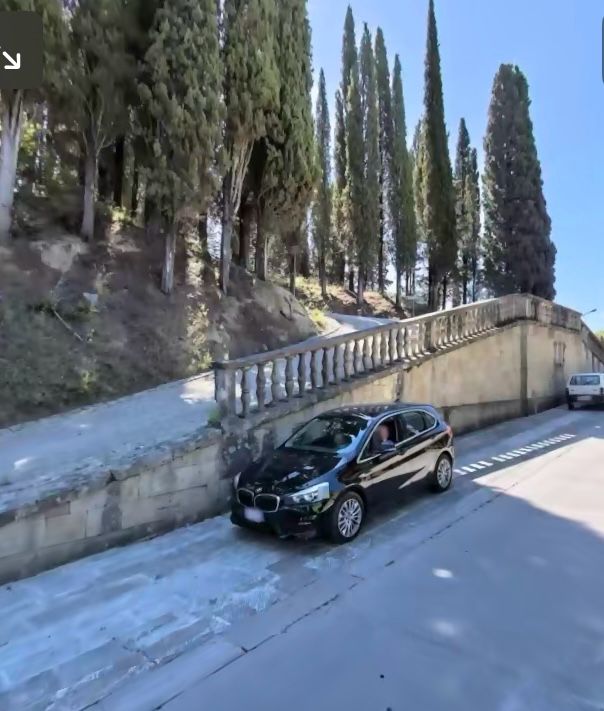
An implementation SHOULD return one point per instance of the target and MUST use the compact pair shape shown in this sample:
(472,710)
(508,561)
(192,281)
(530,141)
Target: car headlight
(319,492)
(236,480)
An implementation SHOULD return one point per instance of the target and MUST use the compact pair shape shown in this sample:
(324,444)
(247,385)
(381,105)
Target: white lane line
(478,466)
(499,459)
(460,472)
(468,469)
(486,464)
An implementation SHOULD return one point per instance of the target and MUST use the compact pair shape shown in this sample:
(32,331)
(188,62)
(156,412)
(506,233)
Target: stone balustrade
(254,383)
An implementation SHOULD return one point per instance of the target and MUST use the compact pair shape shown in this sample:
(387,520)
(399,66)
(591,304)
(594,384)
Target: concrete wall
(515,370)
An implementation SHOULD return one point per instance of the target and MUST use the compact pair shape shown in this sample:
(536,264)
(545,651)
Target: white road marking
(468,469)
(486,464)
(500,459)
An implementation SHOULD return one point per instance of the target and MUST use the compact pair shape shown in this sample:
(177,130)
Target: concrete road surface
(107,432)
(489,597)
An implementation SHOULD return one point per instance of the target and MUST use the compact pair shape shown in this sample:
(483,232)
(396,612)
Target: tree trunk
(167,277)
(245,229)
(292,273)
(304,256)
(474,278)
(351,279)
(226,247)
(134,197)
(105,161)
(398,289)
(444,302)
(323,271)
(360,290)
(260,248)
(90,172)
(12,124)
(381,275)
(118,170)
(432,290)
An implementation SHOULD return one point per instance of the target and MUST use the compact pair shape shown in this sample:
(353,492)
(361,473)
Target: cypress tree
(344,217)
(472,193)
(289,173)
(463,206)
(402,204)
(436,184)
(183,101)
(355,174)
(321,222)
(519,255)
(386,149)
(251,90)
(338,244)
(368,236)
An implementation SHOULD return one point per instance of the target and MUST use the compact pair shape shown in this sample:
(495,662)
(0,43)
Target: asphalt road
(500,606)
(489,597)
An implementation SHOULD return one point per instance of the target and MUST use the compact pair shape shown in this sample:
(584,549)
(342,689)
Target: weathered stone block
(21,536)
(62,529)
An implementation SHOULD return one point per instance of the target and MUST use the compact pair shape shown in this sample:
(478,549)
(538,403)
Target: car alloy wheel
(443,474)
(345,517)
(350,517)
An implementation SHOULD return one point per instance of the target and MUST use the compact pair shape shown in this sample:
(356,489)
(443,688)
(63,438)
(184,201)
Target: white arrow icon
(13,64)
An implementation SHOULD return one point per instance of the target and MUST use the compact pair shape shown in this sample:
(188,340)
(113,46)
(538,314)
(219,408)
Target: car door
(377,471)
(418,430)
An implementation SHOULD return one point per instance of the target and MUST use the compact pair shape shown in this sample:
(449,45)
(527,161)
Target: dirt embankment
(81,323)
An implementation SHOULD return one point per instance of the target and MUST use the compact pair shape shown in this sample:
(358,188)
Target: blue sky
(558,45)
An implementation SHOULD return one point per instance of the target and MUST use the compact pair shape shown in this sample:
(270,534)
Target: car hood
(288,470)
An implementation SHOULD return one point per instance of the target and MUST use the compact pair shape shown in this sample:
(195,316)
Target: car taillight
(449,430)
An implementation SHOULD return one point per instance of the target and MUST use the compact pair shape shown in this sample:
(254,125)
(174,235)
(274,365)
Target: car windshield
(329,433)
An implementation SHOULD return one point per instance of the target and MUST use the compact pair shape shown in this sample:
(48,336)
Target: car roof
(574,375)
(374,410)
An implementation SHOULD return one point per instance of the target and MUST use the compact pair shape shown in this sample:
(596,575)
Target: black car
(331,470)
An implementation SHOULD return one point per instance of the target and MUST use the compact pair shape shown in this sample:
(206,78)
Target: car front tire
(442,477)
(346,518)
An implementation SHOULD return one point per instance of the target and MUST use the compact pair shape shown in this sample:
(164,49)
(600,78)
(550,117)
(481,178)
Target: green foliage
(436,181)
(368,237)
(98,67)
(402,202)
(321,215)
(519,255)
(467,212)
(355,170)
(183,100)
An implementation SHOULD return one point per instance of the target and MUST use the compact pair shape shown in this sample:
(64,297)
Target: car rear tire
(346,518)
(571,405)
(442,477)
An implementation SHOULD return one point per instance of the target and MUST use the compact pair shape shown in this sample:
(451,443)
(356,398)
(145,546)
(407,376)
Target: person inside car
(382,441)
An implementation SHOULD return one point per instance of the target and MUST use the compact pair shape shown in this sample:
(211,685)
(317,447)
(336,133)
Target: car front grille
(267,502)
(245,497)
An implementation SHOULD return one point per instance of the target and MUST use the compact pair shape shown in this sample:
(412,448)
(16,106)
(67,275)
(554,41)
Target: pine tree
(436,177)
(368,237)
(322,206)
(251,90)
(183,100)
(15,104)
(402,203)
(386,149)
(519,255)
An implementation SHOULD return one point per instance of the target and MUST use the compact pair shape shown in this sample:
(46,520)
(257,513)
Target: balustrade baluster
(375,352)
(383,348)
(367,359)
(400,342)
(347,362)
(302,374)
(245,392)
(289,377)
(393,345)
(261,386)
(338,363)
(357,357)
(325,370)
(314,370)
(275,383)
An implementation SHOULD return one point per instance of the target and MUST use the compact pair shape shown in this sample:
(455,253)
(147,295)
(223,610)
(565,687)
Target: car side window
(383,436)
(414,423)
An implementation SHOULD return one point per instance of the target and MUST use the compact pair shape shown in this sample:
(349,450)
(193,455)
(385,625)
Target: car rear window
(585,380)
(415,422)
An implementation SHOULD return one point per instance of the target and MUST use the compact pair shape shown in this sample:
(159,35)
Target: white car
(585,388)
